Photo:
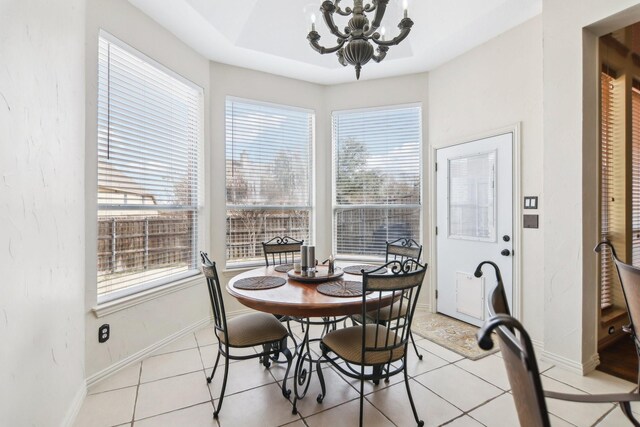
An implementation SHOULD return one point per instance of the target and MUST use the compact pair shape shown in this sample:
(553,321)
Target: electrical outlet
(104,332)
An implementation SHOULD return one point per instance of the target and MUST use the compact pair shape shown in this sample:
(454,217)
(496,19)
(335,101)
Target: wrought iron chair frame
(406,249)
(271,349)
(412,275)
(633,310)
(522,368)
(284,247)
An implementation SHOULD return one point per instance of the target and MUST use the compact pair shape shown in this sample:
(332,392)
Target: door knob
(505,252)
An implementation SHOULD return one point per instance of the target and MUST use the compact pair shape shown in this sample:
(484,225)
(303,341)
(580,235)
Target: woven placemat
(339,288)
(356,269)
(260,282)
(283,268)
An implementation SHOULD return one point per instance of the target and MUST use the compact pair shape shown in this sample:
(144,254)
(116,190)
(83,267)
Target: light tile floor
(169,389)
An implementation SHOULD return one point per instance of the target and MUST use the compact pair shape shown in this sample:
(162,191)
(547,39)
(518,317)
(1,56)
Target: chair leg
(361,398)
(377,372)
(213,372)
(224,385)
(323,389)
(284,350)
(413,406)
(415,347)
(626,410)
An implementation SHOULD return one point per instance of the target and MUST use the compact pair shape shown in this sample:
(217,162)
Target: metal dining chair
(278,251)
(248,330)
(281,250)
(522,368)
(398,250)
(630,282)
(368,348)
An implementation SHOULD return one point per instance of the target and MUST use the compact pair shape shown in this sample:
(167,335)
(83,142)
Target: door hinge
(436,166)
(436,294)
(436,231)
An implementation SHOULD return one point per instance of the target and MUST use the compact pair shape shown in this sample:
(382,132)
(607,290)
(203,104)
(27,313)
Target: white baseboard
(570,365)
(138,356)
(74,408)
(424,307)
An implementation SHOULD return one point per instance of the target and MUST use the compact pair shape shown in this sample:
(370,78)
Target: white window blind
(608,214)
(269,165)
(377,179)
(635,174)
(149,132)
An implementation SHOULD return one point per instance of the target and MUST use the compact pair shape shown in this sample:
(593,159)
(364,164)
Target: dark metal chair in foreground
(630,282)
(399,250)
(367,349)
(248,330)
(522,367)
(281,250)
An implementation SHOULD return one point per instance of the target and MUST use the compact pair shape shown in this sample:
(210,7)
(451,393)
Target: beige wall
(41,211)
(140,326)
(496,85)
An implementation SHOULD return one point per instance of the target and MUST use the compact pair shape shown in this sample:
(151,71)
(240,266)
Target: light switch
(531,202)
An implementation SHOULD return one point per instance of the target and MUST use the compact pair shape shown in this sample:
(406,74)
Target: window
(377,179)
(269,165)
(149,133)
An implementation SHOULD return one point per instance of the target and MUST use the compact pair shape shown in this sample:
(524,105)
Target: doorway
(474,211)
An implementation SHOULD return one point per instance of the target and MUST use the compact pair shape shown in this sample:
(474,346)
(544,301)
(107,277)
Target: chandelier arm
(405,28)
(382,52)
(327,10)
(339,11)
(370,7)
(380,8)
(313,41)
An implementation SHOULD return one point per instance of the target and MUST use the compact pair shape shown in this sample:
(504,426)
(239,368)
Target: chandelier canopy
(354,44)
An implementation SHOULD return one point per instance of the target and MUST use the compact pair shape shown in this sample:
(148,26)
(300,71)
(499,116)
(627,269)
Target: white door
(474,192)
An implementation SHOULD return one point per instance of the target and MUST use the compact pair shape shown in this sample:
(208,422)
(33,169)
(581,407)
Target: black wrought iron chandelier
(354,44)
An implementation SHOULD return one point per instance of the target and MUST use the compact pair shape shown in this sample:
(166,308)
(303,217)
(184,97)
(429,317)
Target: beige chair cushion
(253,329)
(347,343)
(391,312)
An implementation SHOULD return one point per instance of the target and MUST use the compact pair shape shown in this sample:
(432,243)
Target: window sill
(124,303)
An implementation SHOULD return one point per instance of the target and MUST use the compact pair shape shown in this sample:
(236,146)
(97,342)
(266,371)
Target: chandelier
(354,44)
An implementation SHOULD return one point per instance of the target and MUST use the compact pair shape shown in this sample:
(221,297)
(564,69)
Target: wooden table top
(296,298)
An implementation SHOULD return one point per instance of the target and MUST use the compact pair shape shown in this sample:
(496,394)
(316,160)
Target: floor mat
(450,333)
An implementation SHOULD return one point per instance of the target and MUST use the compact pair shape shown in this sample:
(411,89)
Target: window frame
(143,289)
(334,205)
(312,165)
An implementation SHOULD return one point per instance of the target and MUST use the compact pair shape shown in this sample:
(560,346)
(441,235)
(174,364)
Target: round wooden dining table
(301,301)
(296,298)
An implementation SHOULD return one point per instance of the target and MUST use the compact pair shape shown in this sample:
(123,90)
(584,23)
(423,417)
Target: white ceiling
(271,36)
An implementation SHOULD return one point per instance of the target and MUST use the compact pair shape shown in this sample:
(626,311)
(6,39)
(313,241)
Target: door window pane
(472,197)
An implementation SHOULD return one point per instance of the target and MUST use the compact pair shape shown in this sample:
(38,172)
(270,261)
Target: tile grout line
(135,401)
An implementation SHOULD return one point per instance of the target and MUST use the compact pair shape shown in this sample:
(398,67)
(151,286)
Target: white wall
(41,211)
(570,173)
(493,86)
(136,328)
